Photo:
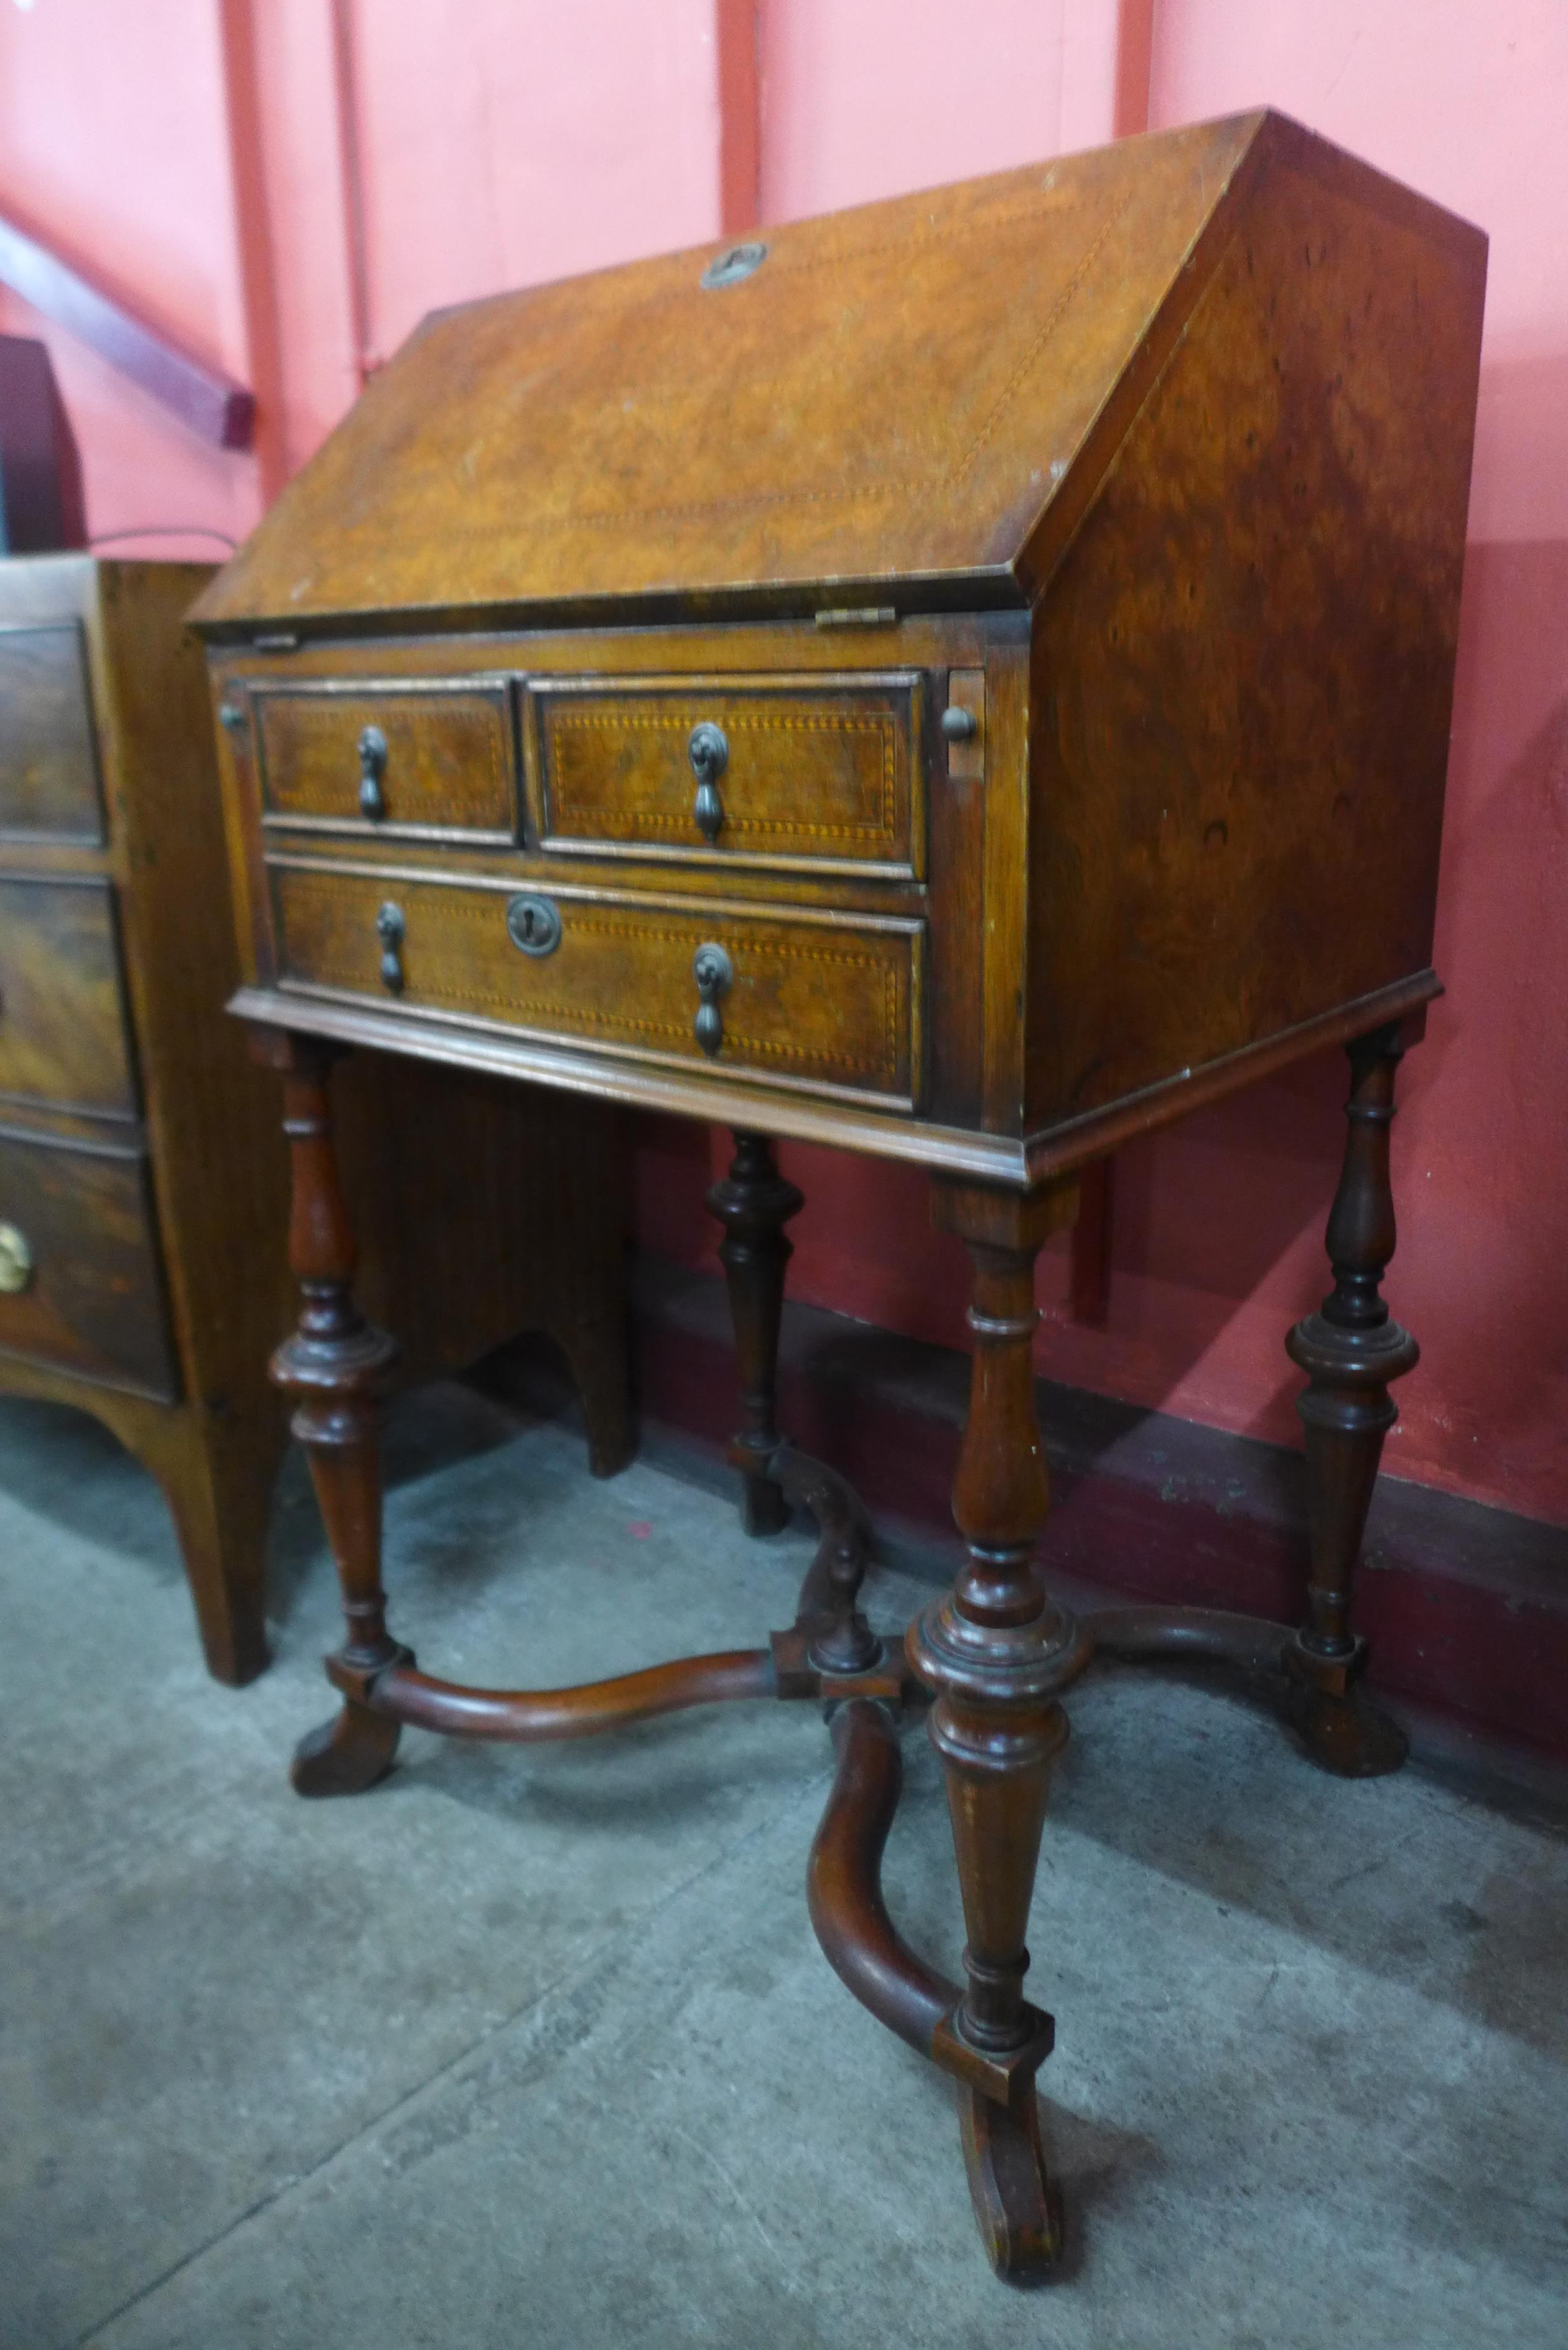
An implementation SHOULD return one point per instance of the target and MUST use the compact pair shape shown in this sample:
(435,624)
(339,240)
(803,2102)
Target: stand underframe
(996,1654)
(830,1656)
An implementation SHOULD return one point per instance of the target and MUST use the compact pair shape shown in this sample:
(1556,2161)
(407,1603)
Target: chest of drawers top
(964,678)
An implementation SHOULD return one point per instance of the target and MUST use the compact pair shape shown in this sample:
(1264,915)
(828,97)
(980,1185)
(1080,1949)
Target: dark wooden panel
(828,1004)
(824,769)
(447,764)
(93,1302)
(48,770)
(63,1036)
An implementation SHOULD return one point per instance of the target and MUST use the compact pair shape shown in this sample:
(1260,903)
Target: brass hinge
(858,616)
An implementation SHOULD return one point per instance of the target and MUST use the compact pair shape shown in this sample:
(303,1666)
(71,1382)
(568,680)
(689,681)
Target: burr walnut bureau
(142,1204)
(965,680)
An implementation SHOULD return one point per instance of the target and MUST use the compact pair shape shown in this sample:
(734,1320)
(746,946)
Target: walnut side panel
(1244,667)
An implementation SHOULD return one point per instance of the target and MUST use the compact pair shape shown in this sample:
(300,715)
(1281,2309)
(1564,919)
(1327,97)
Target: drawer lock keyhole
(390,928)
(710,756)
(534,924)
(16,1261)
(372,767)
(716,976)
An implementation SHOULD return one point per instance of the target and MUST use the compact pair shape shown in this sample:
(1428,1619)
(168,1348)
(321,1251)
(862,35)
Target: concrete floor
(536,2047)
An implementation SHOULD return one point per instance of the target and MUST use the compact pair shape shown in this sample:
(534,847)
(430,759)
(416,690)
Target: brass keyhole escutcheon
(737,260)
(709,752)
(534,924)
(16,1260)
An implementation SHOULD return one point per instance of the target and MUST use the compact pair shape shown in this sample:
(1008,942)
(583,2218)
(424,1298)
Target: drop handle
(716,976)
(372,767)
(709,752)
(391,929)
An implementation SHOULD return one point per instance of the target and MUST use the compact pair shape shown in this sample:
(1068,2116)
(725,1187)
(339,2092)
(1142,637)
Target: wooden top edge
(1339,168)
(1252,118)
(986,1157)
(998,1157)
(992,589)
(1057,1150)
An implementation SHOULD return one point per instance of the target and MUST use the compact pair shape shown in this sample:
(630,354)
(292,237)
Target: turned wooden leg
(595,1345)
(335,1369)
(1350,1350)
(753,1203)
(996,1653)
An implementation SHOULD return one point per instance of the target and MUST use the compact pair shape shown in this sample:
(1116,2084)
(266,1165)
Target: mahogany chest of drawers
(143,1194)
(965,680)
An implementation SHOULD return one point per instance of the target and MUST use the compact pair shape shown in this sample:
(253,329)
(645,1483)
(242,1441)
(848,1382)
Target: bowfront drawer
(424,762)
(815,773)
(79,1283)
(62,1023)
(824,1002)
(48,766)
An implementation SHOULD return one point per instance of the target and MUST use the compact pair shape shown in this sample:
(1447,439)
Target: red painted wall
(193,151)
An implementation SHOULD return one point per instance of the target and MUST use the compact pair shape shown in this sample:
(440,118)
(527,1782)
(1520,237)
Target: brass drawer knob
(372,767)
(390,928)
(16,1261)
(716,976)
(709,752)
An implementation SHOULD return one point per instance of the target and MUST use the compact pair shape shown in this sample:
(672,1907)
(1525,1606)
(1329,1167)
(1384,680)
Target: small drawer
(809,773)
(62,1018)
(828,1004)
(80,1281)
(48,764)
(420,762)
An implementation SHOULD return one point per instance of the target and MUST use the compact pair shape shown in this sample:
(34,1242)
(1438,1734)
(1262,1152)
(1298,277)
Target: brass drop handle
(716,976)
(16,1261)
(372,767)
(390,928)
(710,756)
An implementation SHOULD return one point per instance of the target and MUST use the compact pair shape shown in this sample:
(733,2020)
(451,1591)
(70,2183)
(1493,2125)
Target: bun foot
(347,1755)
(1347,1735)
(1016,2207)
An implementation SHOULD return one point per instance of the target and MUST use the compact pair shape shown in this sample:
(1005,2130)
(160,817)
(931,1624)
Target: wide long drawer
(812,772)
(80,1281)
(824,1002)
(62,1016)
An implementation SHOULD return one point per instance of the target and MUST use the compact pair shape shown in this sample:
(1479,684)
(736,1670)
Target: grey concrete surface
(536,2047)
